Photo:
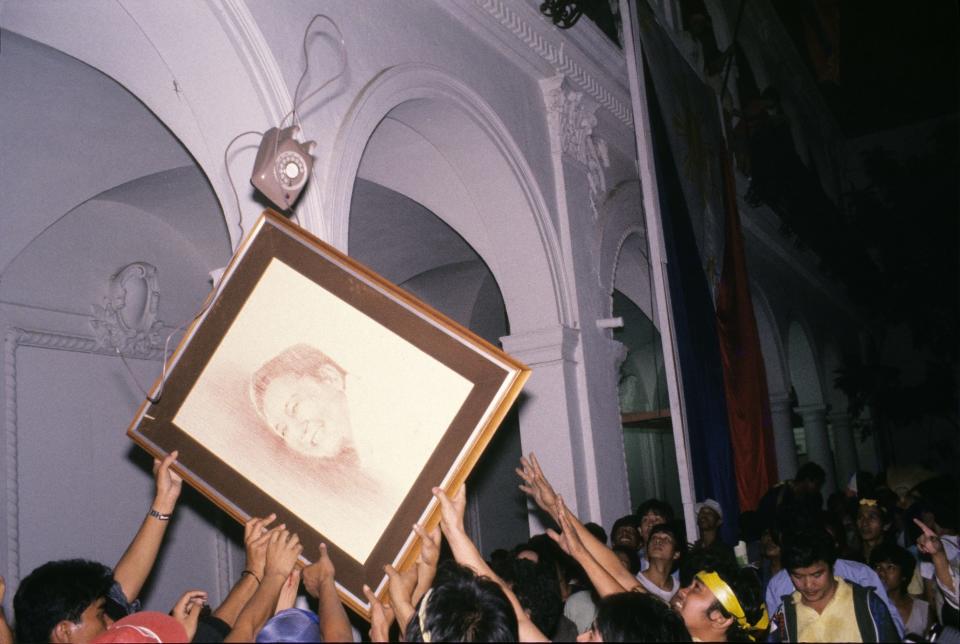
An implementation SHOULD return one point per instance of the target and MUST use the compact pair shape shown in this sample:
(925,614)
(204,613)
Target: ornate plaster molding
(571,117)
(13,340)
(558,58)
(116,325)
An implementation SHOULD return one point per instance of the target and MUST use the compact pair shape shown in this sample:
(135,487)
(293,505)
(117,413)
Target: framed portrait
(314,388)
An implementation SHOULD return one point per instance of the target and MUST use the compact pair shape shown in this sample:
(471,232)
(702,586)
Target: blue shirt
(780,585)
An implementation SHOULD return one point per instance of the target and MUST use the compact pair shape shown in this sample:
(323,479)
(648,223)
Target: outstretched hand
(168,482)
(427,560)
(568,539)
(288,594)
(536,486)
(283,550)
(187,610)
(451,510)
(320,572)
(255,539)
(401,588)
(928,542)
(380,617)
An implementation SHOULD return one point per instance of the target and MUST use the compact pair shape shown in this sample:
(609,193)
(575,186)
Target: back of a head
(57,591)
(803,549)
(811,472)
(638,617)
(658,507)
(538,591)
(462,607)
(746,586)
(291,625)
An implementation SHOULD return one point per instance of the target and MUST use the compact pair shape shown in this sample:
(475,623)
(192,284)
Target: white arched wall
(490,196)
(204,70)
(778,382)
(805,375)
(413,128)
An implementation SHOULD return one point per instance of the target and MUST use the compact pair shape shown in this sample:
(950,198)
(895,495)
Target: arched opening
(416,217)
(644,403)
(813,442)
(90,190)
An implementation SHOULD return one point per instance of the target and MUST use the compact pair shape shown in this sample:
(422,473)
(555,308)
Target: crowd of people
(878,564)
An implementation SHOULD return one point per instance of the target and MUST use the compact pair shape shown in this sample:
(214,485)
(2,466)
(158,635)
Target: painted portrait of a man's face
(301,396)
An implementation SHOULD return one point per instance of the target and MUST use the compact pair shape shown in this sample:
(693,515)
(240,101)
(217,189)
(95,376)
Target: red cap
(145,626)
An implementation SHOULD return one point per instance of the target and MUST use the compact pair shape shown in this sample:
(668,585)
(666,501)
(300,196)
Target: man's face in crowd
(93,621)
(661,546)
(890,574)
(815,583)
(870,522)
(708,519)
(647,522)
(626,535)
(769,547)
(694,604)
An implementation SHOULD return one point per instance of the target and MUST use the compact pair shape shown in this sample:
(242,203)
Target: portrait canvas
(301,378)
(311,387)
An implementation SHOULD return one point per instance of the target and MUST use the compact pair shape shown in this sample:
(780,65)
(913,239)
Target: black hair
(891,553)
(638,617)
(463,607)
(812,472)
(656,506)
(721,560)
(57,591)
(804,549)
(632,556)
(597,530)
(628,520)
(538,591)
(746,585)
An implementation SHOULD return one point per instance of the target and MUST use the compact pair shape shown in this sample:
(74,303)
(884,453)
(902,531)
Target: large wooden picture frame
(313,388)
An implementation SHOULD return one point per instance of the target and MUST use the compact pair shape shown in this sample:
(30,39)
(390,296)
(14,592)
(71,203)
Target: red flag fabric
(744,375)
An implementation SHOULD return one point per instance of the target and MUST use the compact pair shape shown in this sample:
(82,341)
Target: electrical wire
(341,54)
(233,186)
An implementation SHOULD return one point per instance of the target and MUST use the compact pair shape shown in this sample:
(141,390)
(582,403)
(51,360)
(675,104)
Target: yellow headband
(729,601)
(870,502)
(422,616)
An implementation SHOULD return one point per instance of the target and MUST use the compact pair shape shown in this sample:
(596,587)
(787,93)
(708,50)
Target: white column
(845,447)
(784,444)
(548,407)
(818,443)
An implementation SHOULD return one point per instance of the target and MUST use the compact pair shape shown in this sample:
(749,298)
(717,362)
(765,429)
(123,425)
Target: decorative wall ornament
(15,338)
(572,117)
(127,322)
(558,58)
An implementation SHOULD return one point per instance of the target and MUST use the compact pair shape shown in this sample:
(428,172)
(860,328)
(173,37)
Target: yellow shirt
(837,622)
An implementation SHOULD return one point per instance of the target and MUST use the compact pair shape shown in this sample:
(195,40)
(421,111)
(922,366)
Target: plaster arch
(499,209)
(771,343)
(804,372)
(621,250)
(184,66)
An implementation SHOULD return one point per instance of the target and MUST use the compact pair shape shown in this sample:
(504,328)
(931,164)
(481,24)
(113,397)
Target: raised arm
(929,542)
(134,567)
(255,539)
(283,549)
(466,554)
(538,488)
(6,633)
(319,579)
(571,543)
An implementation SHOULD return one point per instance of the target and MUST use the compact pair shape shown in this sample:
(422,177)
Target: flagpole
(658,262)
